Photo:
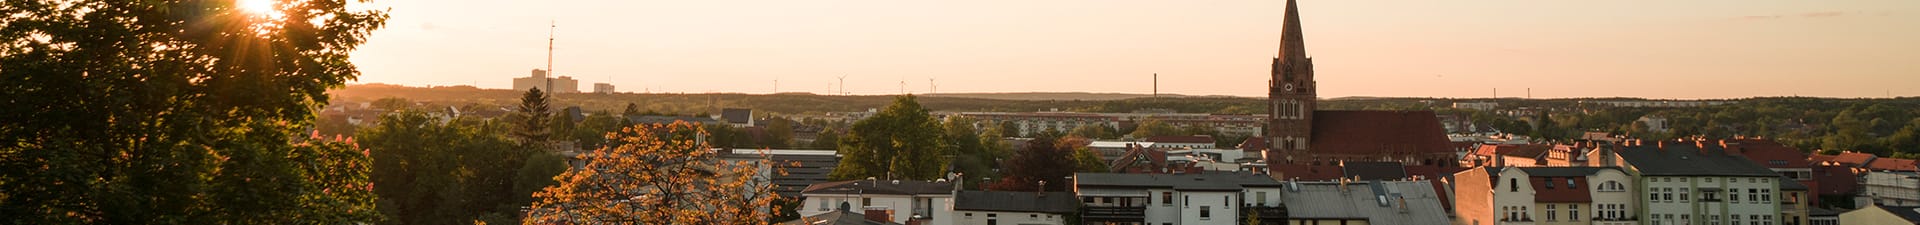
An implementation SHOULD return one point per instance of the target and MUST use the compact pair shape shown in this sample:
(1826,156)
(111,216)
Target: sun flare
(257,7)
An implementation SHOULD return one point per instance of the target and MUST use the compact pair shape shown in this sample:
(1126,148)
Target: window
(1206,212)
(993,221)
(1166,198)
(1552,215)
(1263,197)
(1228,200)
(1733,195)
(864,202)
(1186,201)
(1549,182)
(1753,195)
(1735,219)
(1573,212)
(1666,194)
(823,204)
(1513,185)
(1766,195)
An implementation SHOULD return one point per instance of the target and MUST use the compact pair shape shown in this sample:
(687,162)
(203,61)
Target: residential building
(1178,199)
(1890,188)
(1029,123)
(1361,203)
(737,117)
(1183,142)
(803,167)
(1502,155)
(1823,216)
(1304,141)
(539,79)
(1482,106)
(1545,195)
(1698,182)
(901,200)
(1790,162)
(1025,208)
(1881,215)
(842,217)
(1796,202)
(1653,123)
(603,88)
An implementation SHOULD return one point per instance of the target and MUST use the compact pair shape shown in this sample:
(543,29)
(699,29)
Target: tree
(176,112)
(1097,131)
(1046,159)
(1085,160)
(433,172)
(631,110)
(658,174)
(826,139)
(779,133)
(1154,128)
(533,118)
(900,142)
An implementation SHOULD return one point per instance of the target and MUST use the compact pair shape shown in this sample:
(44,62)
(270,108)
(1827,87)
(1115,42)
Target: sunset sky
(1559,49)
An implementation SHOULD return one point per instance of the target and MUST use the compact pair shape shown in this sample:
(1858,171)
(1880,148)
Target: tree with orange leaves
(658,174)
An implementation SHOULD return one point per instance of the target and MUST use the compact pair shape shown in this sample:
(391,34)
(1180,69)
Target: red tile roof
(1853,158)
(1374,132)
(1893,164)
(1520,150)
(1818,159)
(1560,192)
(1254,144)
(1767,152)
(1181,139)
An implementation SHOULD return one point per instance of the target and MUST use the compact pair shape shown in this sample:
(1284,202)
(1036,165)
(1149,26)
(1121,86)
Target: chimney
(1403,203)
(878,215)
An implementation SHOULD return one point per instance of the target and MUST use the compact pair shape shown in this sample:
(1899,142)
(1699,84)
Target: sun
(257,7)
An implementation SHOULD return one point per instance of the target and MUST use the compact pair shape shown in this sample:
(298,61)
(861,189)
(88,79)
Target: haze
(1558,49)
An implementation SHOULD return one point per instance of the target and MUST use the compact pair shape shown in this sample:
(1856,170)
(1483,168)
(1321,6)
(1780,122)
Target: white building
(540,79)
(1185,199)
(1699,182)
(1890,189)
(1482,106)
(1025,208)
(901,200)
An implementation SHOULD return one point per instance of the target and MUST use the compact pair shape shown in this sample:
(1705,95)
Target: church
(1305,143)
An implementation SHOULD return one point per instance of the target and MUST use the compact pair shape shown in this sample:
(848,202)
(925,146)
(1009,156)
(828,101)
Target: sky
(1704,49)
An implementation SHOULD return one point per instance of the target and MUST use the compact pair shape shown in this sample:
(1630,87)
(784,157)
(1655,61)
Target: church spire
(1292,46)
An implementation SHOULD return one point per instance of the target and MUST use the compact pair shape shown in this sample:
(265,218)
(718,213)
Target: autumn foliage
(658,174)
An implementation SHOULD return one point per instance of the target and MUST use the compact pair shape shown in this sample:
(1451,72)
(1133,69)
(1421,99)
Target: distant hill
(1032,96)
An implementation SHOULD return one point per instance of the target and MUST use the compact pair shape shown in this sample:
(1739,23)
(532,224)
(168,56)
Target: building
(1502,155)
(1881,215)
(1698,182)
(1183,142)
(1183,199)
(899,200)
(1036,122)
(803,167)
(1822,216)
(1482,106)
(603,88)
(1653,123)
(1026,208)
(738,117)
(1545,195)
(1302,139)
(1796,202)
(841,217)
(1361,203)
(540,79)
(1890,188)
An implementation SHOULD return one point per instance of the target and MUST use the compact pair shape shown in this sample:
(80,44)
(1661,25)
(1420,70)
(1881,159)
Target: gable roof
(1907,213)
(737,116)
(1518,150)
(1374,170)
(1854,158)
(1892,164)
(897,187)
(836,217)
(1767,152)
(1008,201)
(1563,171)
(1689,159)
(1374,132)
(1326,200)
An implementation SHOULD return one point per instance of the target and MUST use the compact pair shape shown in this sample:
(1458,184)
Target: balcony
(1113,214)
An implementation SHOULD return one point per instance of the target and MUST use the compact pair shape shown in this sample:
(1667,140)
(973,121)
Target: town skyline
(1704,50)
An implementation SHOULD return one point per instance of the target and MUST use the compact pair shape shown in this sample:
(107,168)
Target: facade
(1183,142)
(540,79)
(603,88)
(901,200)
(1890,189)
(1185,199)
(1796,202)
(1699,182)
(1025,208)
(1361,203)
(1482,106)
(737,117)
(1545,195)
(1881,215)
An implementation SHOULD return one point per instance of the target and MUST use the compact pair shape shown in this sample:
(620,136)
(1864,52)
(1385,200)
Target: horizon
(1678,50)
(1170,95)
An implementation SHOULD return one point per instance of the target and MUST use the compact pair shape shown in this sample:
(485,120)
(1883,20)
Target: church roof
(1375,132)
(1292,45)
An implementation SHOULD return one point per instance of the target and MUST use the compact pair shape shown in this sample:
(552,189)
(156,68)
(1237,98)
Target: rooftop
(1379,202)
(1007,201)
(1374,132)
(882,187)
(1197,182)
(1689,159)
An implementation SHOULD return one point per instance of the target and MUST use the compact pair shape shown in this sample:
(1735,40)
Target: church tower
(1290,93)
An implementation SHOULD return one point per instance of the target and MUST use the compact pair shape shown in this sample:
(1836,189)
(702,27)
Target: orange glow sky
(1655,49)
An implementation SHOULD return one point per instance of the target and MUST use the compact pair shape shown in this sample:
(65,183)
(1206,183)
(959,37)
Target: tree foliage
(658,174)
(176,112)
(533,118)
(433,172)
(1046,159)
(901,142)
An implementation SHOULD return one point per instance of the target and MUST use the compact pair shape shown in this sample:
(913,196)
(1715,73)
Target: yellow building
(1881,215)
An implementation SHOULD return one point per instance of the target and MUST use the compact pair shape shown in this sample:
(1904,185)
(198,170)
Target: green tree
(1086,160)
(1097,131)
(779,133)
(1154,128)
(454,172)
(176,112)
(901,142)
(533,119)
(1046,159)
(826,139)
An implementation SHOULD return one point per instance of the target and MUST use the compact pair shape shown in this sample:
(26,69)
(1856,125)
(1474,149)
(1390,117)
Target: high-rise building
(1311,144)
(603,88)
(540,79)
